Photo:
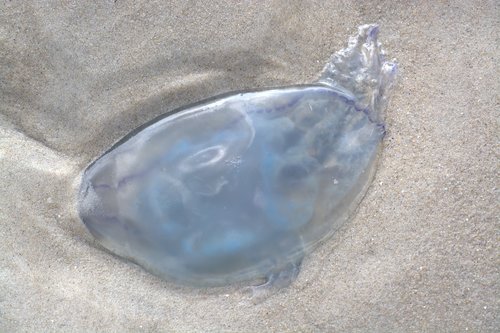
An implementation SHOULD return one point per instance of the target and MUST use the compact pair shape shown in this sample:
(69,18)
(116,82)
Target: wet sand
(421,253)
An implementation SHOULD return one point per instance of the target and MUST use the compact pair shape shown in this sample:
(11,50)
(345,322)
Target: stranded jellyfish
(241,186)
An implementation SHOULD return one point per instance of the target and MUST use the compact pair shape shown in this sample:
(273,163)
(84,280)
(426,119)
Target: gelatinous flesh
(235,187)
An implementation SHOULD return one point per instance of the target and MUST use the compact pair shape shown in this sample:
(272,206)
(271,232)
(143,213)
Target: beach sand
(420,255)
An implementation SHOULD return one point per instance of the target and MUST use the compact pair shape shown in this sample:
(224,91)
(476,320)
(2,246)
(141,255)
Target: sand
(420,255)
